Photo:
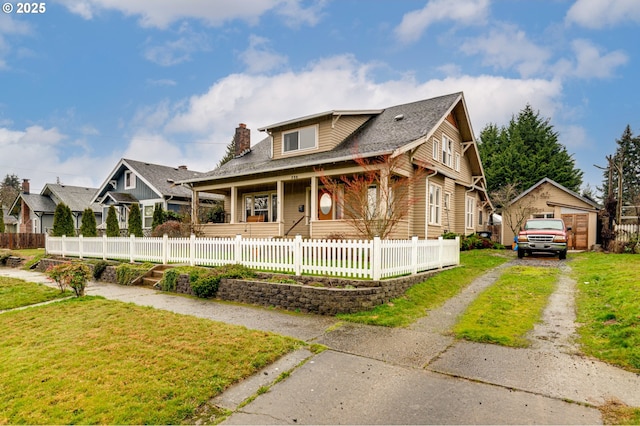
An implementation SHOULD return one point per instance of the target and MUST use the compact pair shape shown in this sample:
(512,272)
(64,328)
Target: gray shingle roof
(163,178)
(77,198)
(38,203)
(381,134)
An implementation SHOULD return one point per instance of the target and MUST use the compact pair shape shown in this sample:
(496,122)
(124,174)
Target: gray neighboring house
(147,184)
(10,222)
(34,212)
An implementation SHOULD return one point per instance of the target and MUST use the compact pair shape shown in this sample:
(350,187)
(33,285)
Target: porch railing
(366,259)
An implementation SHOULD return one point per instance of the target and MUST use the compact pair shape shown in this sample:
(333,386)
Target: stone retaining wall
(311,294)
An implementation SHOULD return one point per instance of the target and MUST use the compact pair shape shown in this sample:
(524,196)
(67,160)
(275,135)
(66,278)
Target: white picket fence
(366,259)
(625,231)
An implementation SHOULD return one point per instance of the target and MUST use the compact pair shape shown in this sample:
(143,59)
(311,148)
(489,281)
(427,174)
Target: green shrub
(204,281)
(88,227)
(126,273)
(135,220)
(63,221)
(98,268)
(68,274)
(113,227)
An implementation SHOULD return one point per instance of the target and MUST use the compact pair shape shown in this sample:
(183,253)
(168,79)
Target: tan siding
(295,194)
(449,217)
(330,134)
(420,208)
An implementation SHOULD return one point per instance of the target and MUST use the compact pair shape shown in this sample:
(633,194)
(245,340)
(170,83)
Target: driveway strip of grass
(91,360)
(431,293)
(505,312)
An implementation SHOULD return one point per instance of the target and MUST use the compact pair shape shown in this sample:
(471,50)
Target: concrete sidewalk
(415,375)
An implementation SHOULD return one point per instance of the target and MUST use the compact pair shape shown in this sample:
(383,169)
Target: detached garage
(548,198)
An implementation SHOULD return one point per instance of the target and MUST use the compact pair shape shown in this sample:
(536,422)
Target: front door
(325,205)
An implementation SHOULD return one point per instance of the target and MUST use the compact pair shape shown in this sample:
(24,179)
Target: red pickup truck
(543,235)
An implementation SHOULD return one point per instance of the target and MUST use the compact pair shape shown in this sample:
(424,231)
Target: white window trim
(436,149)
(132,180)
(314,147)
(435,208)
(470,206)
(252,195)
(447,151)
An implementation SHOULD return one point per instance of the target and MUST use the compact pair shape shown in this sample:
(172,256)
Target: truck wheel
(520,253)
(562,255)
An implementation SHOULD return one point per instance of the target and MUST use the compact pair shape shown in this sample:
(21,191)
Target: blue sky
(88,82)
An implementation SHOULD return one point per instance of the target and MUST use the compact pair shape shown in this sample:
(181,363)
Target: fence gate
(579,235)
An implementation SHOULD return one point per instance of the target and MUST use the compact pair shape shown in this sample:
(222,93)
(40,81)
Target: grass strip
(608,306)
(15,293)
(505,312)
(431,293)
(90,360)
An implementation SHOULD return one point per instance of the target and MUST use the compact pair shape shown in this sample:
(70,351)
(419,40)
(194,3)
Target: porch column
(234,204)
(314,199)
(279,206)
(195,201)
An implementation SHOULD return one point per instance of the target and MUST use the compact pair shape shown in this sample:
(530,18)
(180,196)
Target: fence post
(414,254)
(165,249)
(132,239)
(104,246)
(376,259)
(80,242)
(192,250)
(297,255)
(64,245)
(237,252)
(440,251)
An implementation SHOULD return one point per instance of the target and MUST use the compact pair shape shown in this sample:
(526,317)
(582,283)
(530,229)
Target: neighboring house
(549,199)
(146,184)
(35,211)
(273,189)
(10,222)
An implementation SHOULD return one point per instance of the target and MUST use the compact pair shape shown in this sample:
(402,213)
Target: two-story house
(274,189)
(146,184)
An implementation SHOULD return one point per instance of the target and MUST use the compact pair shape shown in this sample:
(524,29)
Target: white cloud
(466,12)
(162,13)
(10,28)
(179,50)
(589,62)
(260,58)
(598,14)
(507,47)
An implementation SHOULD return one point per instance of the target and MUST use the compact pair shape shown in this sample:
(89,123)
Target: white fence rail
(625,232)
(370,259)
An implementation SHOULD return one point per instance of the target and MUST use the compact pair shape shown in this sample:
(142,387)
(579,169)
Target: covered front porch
(283,206)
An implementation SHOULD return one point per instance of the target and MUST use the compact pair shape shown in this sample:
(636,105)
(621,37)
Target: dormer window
(300,139)
(129,180)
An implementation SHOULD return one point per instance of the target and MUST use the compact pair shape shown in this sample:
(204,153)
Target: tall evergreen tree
(524,152)
(88,226)
(229,154)
(158,216)
(9,190)
(135,220)
(113,227)
(63,221)
(627,157)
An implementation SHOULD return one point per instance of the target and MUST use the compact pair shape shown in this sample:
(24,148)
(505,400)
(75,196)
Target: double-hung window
(129,180)
(447,151)
(300,139)
(470,204)
(435,204)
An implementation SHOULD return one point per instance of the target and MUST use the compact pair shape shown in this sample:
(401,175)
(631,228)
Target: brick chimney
(25,186)
(242,140)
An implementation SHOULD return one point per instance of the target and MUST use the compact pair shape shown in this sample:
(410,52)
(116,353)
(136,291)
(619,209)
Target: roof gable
(560,187)
(77,198)
(394,129)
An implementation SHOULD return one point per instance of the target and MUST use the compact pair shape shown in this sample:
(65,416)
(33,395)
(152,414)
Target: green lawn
(608,305)
(506,311)
(15,293)
(431,293)
(91,360)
